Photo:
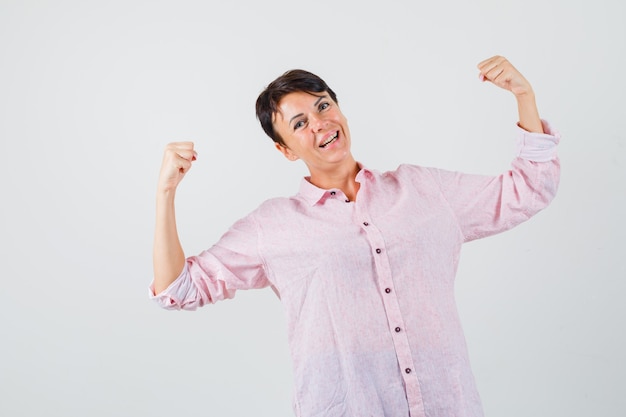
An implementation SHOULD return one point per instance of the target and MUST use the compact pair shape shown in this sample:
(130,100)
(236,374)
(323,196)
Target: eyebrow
(320,98)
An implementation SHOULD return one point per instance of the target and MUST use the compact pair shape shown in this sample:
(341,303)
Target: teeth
(330,139)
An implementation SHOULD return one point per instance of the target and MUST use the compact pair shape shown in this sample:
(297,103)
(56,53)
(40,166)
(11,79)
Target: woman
(363,262)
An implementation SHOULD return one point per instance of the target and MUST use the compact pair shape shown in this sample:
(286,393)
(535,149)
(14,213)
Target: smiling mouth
(330,140)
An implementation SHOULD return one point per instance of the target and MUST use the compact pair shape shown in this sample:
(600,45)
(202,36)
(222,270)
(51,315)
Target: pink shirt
(368,285)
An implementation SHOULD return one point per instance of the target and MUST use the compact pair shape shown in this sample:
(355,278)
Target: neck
(343,178)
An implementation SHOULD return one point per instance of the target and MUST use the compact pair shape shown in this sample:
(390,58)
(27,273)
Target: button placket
(390,301)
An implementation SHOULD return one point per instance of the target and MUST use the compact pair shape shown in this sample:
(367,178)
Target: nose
(316,122)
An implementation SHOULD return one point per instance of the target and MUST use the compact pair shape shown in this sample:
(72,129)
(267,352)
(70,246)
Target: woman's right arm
(168,255)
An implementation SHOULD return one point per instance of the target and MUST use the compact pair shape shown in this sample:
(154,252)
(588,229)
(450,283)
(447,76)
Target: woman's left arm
(499,71)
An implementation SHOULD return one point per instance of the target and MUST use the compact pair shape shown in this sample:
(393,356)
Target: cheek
(297,141)
(339,118)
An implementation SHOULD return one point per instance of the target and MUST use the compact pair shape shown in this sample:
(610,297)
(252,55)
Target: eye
(298,124)
(323,106)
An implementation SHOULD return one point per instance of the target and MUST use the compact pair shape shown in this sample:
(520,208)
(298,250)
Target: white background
(90,93)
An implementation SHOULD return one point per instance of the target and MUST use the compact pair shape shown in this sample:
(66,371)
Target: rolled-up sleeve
(232,264)
(537,147)
(486,205)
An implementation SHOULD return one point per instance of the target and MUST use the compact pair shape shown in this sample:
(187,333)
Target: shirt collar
(312,194)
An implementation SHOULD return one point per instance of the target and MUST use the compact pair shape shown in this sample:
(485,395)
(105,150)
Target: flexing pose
(363,262)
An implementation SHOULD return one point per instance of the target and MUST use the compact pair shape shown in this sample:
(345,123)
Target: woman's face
(314,130)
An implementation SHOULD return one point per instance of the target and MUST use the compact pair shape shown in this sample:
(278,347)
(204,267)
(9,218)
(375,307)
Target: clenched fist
(502,73)
(177,160)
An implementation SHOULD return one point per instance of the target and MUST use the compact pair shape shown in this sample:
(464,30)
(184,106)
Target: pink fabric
(368,286)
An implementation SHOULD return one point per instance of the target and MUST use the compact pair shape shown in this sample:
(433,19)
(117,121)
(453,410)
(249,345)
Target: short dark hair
(290,82)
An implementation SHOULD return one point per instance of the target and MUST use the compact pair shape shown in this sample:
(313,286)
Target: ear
(286,151)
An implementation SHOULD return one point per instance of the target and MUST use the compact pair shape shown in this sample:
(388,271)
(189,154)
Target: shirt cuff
(537,147)
(169,297)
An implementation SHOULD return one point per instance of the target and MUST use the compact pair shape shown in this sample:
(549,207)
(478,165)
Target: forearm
(528,113)
(168,255)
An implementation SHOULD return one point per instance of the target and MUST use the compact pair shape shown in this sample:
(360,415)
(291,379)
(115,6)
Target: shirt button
(407,370)
(347,201)
(398,329)
(378,251)
(366,224)
(387,290)
(333,193)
